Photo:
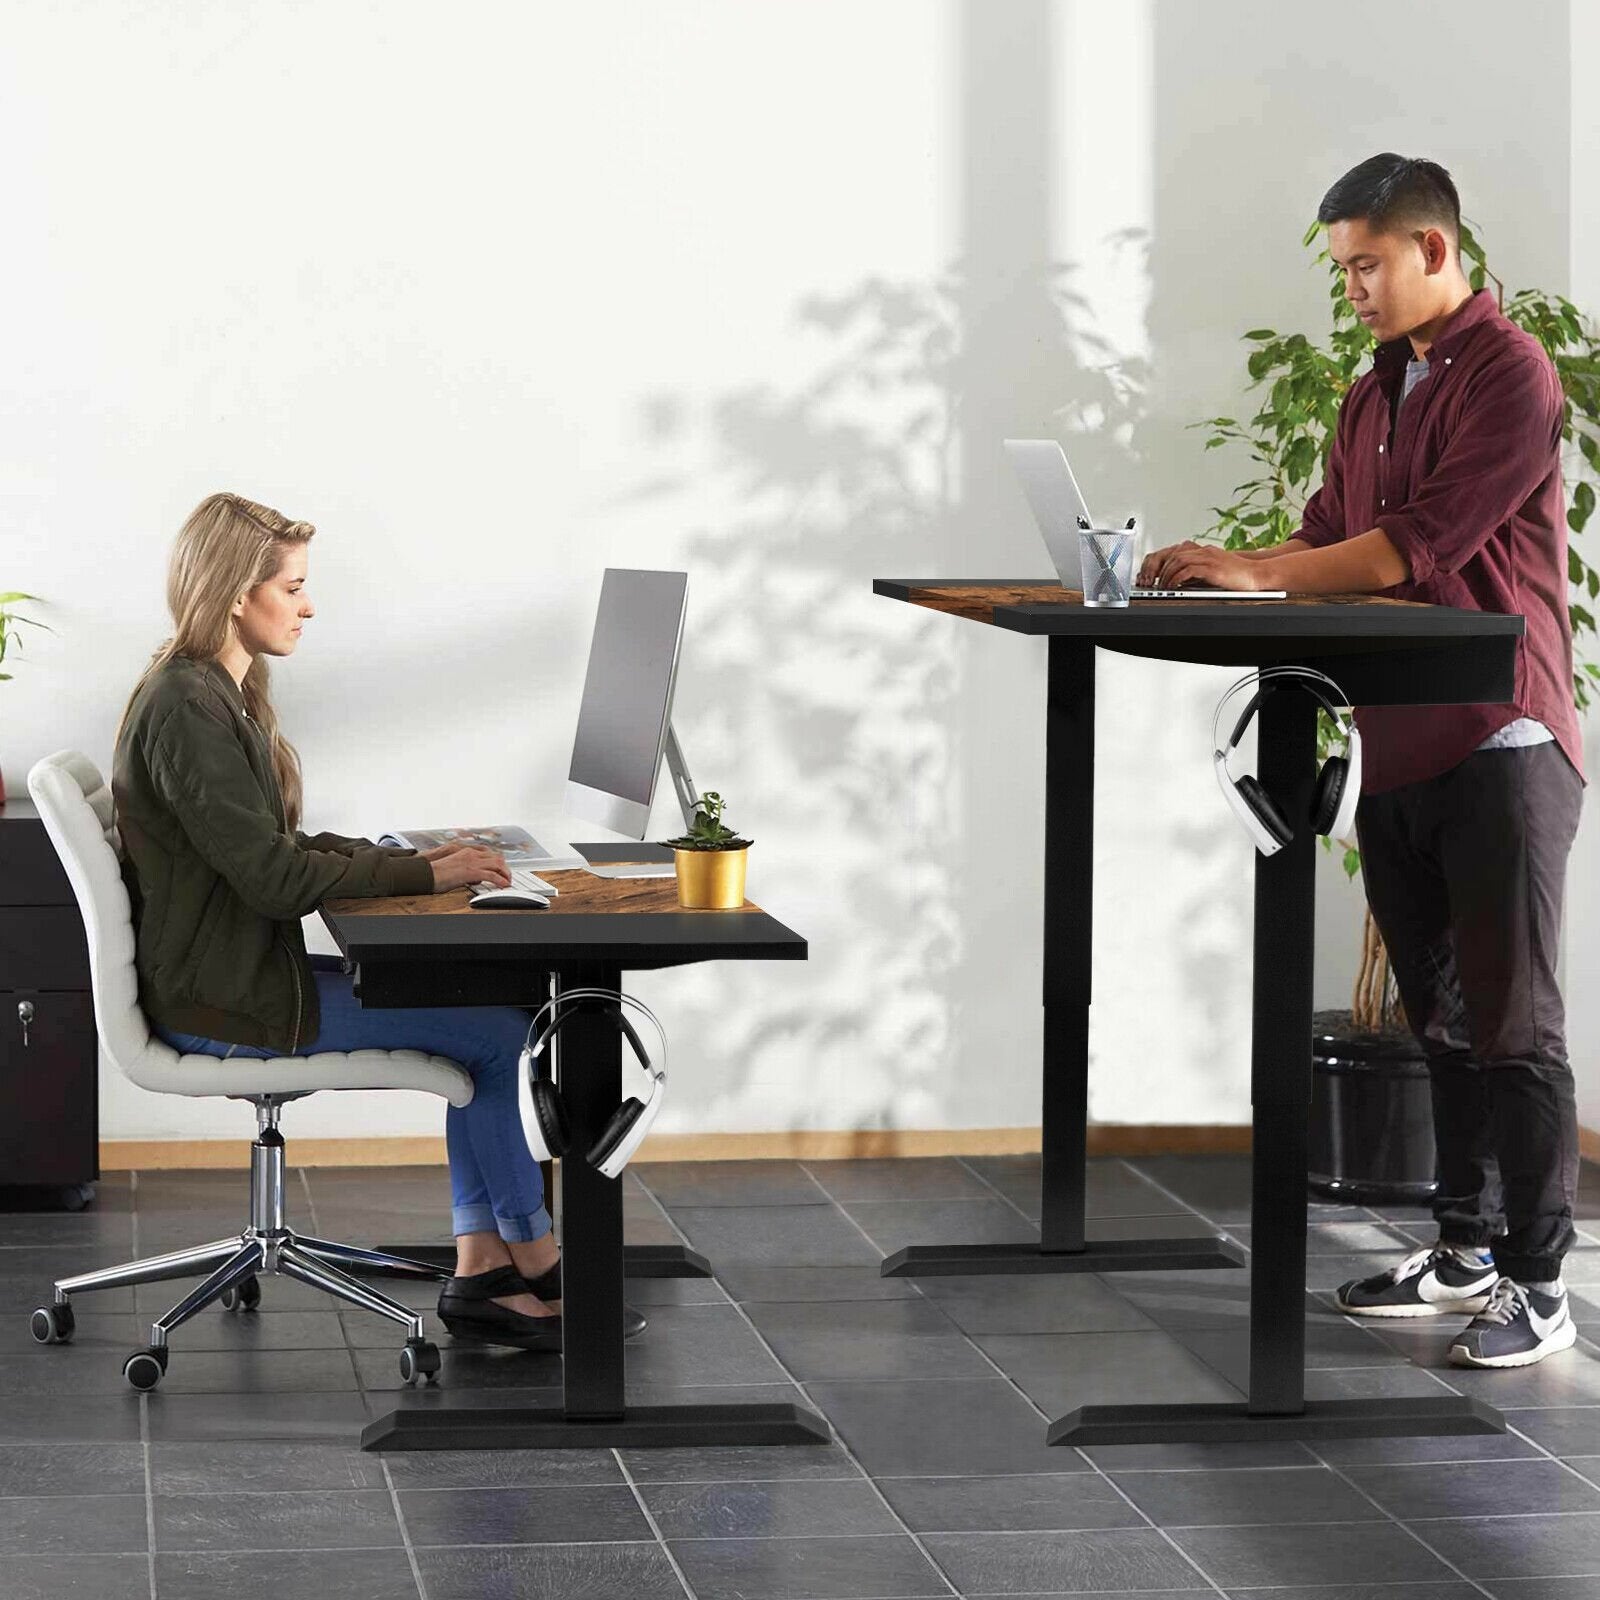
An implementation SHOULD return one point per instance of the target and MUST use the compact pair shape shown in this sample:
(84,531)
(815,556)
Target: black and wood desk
(435,950)
(1381,652)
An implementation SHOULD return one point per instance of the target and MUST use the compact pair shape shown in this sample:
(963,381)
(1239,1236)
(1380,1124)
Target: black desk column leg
(594,1413)
(1280,1064)
(589,1069)
(1068,940)
(1280,1093)
(1064,1068)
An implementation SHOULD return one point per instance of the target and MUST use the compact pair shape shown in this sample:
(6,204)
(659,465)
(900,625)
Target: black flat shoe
(467,1309)
(547,1286)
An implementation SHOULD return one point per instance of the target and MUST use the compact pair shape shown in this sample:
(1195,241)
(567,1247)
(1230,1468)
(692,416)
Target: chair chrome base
(265,1248)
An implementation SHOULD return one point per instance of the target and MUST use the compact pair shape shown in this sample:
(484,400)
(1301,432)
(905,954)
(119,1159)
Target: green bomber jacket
(218,880)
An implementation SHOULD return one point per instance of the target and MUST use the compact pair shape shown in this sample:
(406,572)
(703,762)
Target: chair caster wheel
(419,1359)
(144,1369)
(52,1324)
(244,1296)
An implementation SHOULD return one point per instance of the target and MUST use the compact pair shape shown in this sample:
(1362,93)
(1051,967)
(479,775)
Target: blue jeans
(495,1184)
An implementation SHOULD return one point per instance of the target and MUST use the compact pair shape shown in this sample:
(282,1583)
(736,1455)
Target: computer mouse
(508,900)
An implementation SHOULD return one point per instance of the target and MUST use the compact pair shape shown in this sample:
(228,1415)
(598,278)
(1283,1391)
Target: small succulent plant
(707,831)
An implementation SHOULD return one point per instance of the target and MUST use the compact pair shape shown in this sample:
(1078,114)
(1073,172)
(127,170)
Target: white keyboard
(521,879)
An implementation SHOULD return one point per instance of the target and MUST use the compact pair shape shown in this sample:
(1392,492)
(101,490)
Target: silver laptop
(1057,502)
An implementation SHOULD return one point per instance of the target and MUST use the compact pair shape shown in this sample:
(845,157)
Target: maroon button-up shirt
(1467,485)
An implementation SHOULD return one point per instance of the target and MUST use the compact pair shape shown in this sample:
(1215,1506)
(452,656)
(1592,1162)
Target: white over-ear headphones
(1338,786)
(545,1124)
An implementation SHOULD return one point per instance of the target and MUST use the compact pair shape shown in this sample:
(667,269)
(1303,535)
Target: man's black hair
(1396,193)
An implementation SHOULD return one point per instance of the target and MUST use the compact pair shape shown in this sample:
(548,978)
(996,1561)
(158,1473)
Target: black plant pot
(1371,1116)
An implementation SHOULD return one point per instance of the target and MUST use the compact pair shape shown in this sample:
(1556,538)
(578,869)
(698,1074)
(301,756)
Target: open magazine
(517,845)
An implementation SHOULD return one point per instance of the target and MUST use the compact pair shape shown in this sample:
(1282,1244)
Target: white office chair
(76,807)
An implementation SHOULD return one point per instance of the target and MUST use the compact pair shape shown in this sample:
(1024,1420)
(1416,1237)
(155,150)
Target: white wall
(1582,953)
(753,290)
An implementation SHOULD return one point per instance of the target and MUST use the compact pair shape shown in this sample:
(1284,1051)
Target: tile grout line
(382,1549)
(1029,1401)
(1017,1533)
(1404,1527)
(405,1532)
(144,1401)
(344,1332)
(655,1527)
(898,1477)
(1383,1512)
(1108,1280)
(1083,1456)
(1177,1199)
(557,1489)
(1344,1318)
(1537,1450)
(993,1188)
(1329,1466)
(838,1438)
(1582,1477)
(1348,1320)
(383,1465)
(1181,1527)
(149,1492)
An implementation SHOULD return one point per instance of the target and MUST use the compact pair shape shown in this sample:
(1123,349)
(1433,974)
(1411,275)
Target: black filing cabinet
(49,1050)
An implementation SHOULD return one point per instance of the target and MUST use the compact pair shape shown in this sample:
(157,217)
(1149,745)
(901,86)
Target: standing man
(1444,485)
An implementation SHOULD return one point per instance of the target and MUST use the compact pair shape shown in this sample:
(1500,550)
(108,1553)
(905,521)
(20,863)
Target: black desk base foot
(638,1260)
(639,1427)
(1098,1255)
(664,1261)
(1234,1423)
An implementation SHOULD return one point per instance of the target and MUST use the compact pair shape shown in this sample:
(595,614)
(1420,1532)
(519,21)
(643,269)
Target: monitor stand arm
(683,785)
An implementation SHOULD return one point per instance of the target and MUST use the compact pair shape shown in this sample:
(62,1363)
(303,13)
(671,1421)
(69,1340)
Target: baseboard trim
(1104,1139)
(171,1155)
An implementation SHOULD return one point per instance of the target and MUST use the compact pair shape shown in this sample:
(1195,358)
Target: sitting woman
(207,795)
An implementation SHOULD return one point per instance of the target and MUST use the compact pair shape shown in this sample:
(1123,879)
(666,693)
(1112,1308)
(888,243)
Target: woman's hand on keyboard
(448,848)
(471,864)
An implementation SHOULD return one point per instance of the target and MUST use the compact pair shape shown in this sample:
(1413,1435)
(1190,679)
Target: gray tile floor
(241,1473)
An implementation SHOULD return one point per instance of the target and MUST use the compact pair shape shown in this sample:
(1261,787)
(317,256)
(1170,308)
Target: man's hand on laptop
(1200,566)
(1153,569)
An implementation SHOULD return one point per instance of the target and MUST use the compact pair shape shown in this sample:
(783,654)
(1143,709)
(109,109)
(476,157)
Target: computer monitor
(625,719)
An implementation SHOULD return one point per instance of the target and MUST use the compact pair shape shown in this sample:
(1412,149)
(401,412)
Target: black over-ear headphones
(1338,785)
(545,1123)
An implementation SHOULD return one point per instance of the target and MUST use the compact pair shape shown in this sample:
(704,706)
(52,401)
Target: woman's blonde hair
(228,546)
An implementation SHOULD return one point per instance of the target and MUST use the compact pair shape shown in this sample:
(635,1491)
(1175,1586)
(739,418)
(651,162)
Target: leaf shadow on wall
(842,723)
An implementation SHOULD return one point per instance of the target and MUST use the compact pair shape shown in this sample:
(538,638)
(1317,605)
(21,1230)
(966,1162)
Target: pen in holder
(1107,561)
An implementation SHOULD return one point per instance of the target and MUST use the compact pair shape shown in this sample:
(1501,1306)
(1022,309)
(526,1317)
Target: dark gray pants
(1465,874)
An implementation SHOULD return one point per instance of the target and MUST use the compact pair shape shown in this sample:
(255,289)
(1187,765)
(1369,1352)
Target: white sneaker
(1518,1327)
(1432,1283)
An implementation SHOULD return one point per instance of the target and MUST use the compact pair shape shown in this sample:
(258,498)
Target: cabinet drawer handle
(24,1016)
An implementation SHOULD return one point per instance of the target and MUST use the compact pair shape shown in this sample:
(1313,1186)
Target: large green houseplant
(1290,435)
(9,637)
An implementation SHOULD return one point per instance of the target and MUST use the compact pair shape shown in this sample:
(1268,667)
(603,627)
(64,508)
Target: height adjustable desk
(435,950)
(1380,652)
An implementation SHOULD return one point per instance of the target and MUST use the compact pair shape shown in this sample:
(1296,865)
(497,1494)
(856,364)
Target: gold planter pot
(711,880)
